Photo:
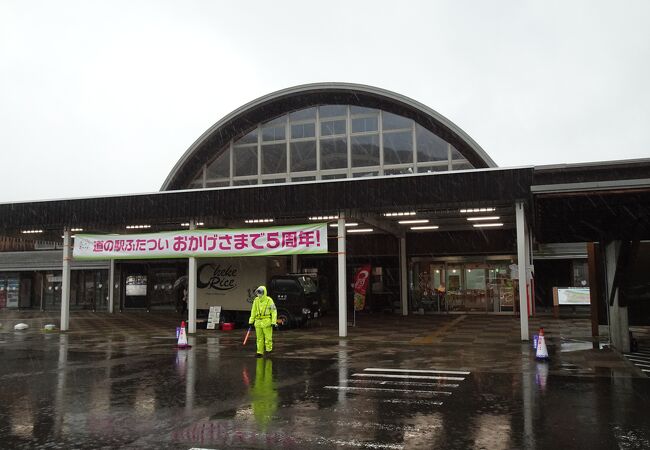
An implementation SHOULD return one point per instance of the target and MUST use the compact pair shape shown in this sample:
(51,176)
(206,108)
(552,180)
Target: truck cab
(296,297)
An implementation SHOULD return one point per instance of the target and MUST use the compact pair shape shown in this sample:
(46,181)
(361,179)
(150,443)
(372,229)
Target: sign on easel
(213,317)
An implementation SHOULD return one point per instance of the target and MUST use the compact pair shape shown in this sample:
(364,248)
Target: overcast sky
(103,97)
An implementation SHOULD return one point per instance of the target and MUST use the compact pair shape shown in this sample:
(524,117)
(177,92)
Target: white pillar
(294,263)
(619,328)
(521,264)
(191,290)
(343,301)
(403,279)
(529,294)
(65,282)
(111,286)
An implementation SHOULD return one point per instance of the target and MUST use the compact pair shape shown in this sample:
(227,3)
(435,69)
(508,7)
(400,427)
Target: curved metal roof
(265,108)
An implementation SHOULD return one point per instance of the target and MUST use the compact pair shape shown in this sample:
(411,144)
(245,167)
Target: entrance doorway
(461,286)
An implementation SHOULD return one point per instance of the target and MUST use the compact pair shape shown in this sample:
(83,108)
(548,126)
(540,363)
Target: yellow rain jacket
(264,315)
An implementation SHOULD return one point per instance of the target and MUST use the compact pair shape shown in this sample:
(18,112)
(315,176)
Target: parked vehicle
(231,283)
(296,297)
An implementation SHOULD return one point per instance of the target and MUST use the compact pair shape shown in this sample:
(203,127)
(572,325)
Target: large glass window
(364,124)
(365,150)
(303,156)
(274,158)
(245,161)
(303,130)
(303,114)
(220,167)
(333,111)
(273,133)
(250,138)
(394,122)
(383,142)
(332,127)
(398,147)
(333,154)
(430,146)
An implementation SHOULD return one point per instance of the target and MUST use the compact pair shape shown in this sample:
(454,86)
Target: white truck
(231,283)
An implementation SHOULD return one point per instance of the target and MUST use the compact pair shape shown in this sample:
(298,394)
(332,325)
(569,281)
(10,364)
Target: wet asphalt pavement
(134,389)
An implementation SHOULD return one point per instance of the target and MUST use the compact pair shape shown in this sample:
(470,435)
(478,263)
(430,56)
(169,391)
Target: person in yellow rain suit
(263,394)
(265,317)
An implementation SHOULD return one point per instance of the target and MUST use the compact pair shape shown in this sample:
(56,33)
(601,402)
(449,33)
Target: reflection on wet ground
(128,387)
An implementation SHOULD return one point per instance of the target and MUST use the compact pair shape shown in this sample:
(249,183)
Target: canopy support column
(403,281)
(111,286)
(191,289)
(343,301)
(522,242)
(65,282)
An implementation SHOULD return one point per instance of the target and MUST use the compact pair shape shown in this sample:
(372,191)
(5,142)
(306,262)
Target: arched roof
(241,120)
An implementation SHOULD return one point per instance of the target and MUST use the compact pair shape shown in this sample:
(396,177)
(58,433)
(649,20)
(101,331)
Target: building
(446,230)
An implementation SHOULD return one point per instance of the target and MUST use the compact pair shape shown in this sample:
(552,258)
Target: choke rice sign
(286,240)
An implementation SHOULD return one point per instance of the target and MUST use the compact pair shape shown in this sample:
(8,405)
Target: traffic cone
(182,337)
(542,351)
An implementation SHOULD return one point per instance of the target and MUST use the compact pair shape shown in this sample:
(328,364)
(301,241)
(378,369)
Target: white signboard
(229,282)
(213,317)
(573,296)
(286,240)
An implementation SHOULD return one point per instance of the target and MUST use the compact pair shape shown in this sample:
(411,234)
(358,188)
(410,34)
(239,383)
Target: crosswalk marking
(404,383)
(417,377)
(637,363)
(640,359)
(451,372)
(412,391)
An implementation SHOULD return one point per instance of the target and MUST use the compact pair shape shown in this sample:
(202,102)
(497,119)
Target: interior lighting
(475,210)
(187,224)
(323,217)
(426,227)
(137,227)
(406,222)
(31,231)
(76,229)
(479,225)
(347,224)
(259,220)
(399,214)
(484,218)
(361,230)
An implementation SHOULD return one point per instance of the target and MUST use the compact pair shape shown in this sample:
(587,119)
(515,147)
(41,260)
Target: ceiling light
(31,231)
(426,227)
(399,214)
(484,218)
(406,222)
(478,225)
(187,224)
(137,227)
(323,217)
(475,210)
(361,230)
(259,220)
(347,224)
(76,229)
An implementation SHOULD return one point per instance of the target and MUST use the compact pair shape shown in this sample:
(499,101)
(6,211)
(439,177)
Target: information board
(213,317)
(573,296)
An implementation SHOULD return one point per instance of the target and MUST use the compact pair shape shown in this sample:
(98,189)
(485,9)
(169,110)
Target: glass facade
(41,290)
(329,142)
(485,287)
